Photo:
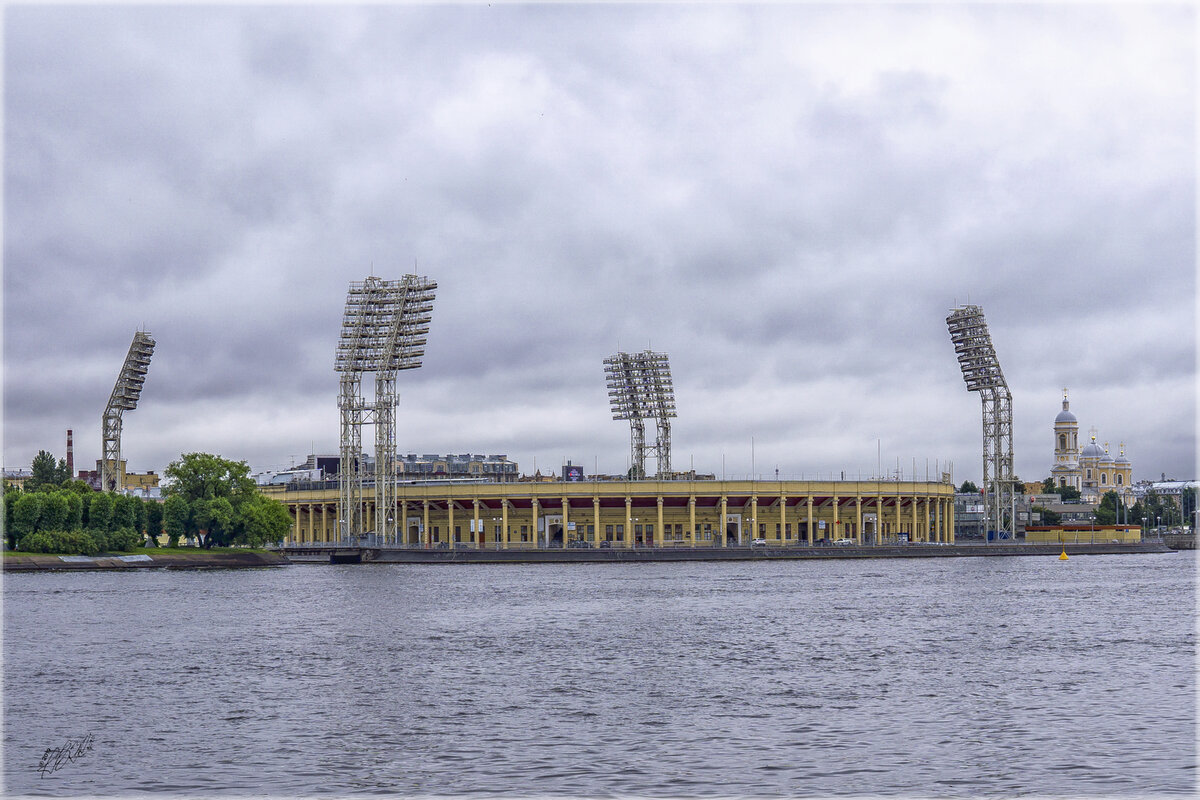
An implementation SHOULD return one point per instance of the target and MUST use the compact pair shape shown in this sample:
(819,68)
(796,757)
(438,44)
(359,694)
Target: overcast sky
(788,200)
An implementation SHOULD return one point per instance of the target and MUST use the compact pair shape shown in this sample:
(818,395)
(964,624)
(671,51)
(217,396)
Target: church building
(1092,470)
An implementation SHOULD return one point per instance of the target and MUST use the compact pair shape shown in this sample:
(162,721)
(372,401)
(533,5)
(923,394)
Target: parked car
(843,542)
(606,545)
(760,543)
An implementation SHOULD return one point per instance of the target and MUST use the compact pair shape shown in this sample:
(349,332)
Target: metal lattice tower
(981,372)
(639,386)
(383,331)
(124,397)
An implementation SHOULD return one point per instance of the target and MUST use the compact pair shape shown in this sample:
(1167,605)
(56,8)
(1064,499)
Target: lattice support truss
(384,330)
(639,386)
(125,394)
(981,372)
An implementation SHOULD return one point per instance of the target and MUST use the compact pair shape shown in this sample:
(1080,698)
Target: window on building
(1103,478)
(1120,480)
(1062,441)
(649,531)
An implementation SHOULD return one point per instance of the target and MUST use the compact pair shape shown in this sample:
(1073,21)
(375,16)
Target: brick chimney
(70,456)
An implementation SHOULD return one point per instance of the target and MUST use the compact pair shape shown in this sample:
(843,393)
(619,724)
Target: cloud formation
(787,199)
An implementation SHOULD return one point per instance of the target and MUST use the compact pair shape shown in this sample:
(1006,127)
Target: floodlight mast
(981,372)
(125,394)
(639,386)
(384,330)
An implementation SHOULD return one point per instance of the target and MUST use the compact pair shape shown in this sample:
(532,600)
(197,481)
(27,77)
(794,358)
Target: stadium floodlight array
(125,394)
(384,330)
(981,372)
(639,386)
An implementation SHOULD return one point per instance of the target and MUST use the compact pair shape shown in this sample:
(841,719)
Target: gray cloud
(786,199)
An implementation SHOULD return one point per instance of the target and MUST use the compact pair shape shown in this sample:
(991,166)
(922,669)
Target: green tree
(74,510)
(26,512)
(203,476)
(214,520)
(124,512)
(1067,493)
(11,493)
(215,490)
(56,512)
(141,515)
(262,520)
(176,518)
(154,521)
(45,473)
(1049,516)
(1048,486)
(1106,512)
(100,512)
(968,488)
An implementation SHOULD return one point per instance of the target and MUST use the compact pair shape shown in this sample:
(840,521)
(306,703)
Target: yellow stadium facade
(625,514)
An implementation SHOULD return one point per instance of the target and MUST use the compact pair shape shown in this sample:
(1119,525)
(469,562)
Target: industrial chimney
(70,457)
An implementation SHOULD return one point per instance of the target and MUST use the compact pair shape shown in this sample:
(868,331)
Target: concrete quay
(311,554)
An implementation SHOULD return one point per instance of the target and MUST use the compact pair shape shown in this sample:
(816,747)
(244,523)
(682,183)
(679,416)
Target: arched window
(1062,441)
(1104,479)
(1120,480)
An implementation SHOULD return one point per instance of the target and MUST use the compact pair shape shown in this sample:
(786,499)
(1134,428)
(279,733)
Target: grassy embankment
(152,551)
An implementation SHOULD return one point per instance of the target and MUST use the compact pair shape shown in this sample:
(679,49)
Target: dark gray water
(939,677)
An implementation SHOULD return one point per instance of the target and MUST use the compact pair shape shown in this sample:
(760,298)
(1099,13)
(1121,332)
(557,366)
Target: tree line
(207,499)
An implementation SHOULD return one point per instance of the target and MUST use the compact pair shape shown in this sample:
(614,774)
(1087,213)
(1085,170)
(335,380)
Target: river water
(949,677)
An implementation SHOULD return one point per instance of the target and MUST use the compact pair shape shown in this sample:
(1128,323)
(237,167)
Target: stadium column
(722,524)
(628,521)
(858,518)
(753,517)
(927,537)
(475,524)
(504,520)
(450,523)
(596,519)
(324,523)
(296,525)
(692,519)
(912,537)
(950,519)
(810,522)
(402,524)
(897,531)
(658,529)
(533,512)
(782,517)
(425,532)
(835,518)
(566,504)
(878,515)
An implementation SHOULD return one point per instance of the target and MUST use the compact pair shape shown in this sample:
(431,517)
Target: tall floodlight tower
(981,372)
(383,331)
(124,397)
(639,386)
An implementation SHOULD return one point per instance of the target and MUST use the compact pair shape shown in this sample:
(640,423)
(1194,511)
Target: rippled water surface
(940,677)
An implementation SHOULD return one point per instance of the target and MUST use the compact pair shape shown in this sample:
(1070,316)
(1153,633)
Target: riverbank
(385,555)
(200,559)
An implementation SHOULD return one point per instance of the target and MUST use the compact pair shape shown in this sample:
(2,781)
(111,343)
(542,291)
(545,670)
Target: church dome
(1065,416)
(1092,450)
(1121,459)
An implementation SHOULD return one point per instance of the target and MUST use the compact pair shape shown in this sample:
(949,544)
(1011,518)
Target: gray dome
(1092,450)
(1065,416)
(1121,459)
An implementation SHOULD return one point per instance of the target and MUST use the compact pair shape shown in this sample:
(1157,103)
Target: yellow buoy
(1063,557)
